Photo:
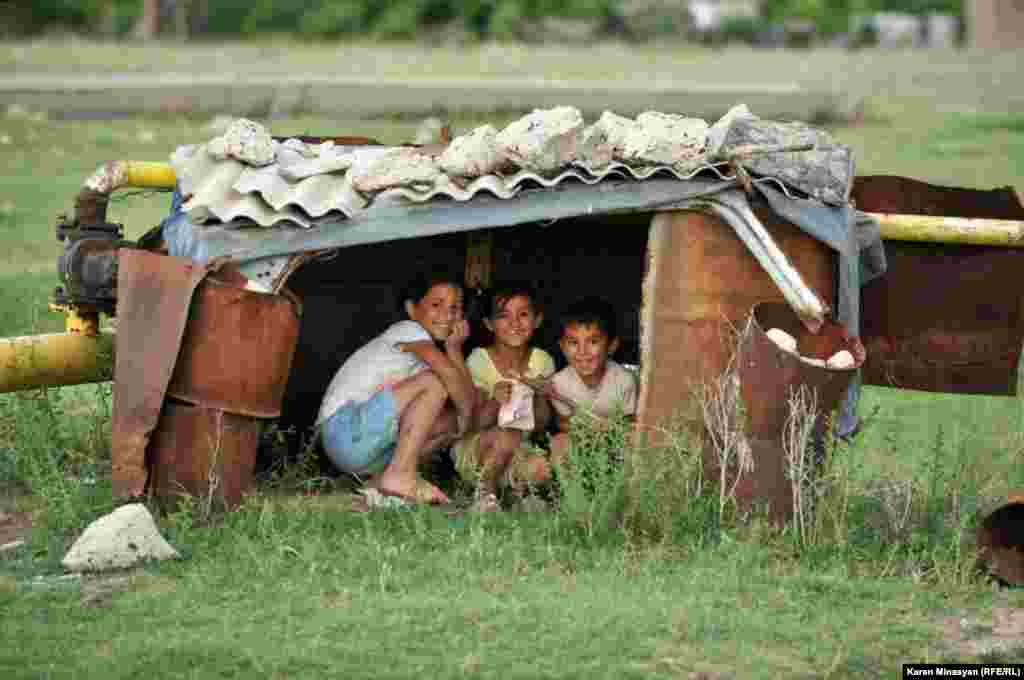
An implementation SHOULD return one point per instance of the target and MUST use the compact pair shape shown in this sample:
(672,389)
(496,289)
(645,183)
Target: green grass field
(296,586)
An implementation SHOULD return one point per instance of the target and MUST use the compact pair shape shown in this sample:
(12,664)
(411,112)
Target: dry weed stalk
(721,407)
(897,499)
(212,472)
(797,435)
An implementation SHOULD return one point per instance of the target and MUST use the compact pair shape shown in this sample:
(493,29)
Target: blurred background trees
(453,19)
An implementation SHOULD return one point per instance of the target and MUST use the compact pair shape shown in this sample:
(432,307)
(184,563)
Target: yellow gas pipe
(57,359)
(952,230)
(85,354)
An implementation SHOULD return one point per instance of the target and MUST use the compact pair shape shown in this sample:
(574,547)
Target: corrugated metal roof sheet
(305,184)
(227,190)
(406,195)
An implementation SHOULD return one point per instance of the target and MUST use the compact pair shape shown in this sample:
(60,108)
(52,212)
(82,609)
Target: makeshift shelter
(282,256)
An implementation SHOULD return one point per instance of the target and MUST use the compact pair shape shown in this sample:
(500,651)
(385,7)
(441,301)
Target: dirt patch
(1000,632)
(100,590)
(14,526)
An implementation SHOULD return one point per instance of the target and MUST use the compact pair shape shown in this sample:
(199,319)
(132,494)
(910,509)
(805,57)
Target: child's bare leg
(442,435)
(419,402)
(533,469)
(497,447)
(560,448)
(485,414)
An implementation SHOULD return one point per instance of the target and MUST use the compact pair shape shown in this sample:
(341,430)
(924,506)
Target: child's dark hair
(501,293)
(590,311)
(418,287)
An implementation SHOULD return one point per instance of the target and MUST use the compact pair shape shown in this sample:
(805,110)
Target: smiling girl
(496,452)
(386,408)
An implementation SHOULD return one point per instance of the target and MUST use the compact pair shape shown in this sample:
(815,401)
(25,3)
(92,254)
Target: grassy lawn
(296,585)
(311,592)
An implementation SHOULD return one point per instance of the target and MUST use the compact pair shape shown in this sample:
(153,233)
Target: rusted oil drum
(1001,540)
(202,452)
(767,375)
(237,350)
(700,287)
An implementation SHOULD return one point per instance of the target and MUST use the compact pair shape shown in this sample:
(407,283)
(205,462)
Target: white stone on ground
(543,141)
(119,540)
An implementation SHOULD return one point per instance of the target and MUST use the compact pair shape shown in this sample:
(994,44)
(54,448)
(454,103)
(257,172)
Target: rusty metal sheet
(203,452)
(237,350)
(154,294)
(767,374)
(902,195)
(700,285)
(944,318)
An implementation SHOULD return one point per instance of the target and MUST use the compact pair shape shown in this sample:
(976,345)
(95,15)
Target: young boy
(592,381)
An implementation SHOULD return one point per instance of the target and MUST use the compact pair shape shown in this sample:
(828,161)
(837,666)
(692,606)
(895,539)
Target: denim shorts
(360,438)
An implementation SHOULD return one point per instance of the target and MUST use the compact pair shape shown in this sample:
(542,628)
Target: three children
(410,392)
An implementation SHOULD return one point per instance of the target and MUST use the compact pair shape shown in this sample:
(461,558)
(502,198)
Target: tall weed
(592,479)
(668,500)
(55,442)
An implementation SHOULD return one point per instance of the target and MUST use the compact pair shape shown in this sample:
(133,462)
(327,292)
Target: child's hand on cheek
(459,335)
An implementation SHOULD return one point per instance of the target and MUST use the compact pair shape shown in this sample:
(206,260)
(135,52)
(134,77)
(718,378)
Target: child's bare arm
(541,412)
(487,411)
(455,378)
(548,394)
(453,350)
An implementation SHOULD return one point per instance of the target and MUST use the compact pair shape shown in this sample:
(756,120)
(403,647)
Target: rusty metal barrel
(230,375)
(701,286)
(1000,537)
(201,363)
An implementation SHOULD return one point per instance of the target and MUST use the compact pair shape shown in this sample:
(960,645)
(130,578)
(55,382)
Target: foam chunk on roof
(543,141)
(395,167)
(244,141)
(472,155)
(605,140)
(666,139)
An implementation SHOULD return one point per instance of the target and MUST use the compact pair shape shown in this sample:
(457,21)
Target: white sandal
(485,502)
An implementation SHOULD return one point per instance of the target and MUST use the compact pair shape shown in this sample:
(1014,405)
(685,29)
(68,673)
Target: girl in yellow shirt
(495,453)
